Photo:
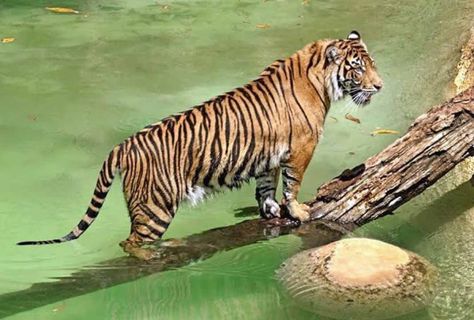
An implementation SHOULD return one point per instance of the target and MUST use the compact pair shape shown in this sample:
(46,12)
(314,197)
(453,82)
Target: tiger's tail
(104,182)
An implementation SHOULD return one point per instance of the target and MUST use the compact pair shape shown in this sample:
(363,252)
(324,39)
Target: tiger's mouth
(361,97)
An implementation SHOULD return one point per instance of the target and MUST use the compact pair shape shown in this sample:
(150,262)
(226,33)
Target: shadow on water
(446,209)
(250,211)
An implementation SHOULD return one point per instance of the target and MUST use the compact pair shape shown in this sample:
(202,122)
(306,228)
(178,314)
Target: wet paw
(270,209)
(299,211)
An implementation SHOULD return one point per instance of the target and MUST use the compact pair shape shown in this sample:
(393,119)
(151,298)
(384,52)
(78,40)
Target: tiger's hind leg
(149,223)
(265,194)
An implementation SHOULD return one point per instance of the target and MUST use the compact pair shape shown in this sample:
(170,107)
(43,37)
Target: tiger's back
(221,143)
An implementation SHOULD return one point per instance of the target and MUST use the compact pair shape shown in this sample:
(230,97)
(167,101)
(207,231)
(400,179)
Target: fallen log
(433,145)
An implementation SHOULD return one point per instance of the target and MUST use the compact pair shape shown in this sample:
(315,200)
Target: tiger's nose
(378,86)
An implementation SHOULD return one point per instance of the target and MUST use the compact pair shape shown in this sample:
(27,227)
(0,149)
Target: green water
(72,86)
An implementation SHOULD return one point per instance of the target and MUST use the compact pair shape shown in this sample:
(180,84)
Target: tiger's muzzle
(363,97)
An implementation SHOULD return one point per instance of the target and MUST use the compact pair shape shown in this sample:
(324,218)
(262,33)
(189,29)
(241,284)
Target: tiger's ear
(354,35)
(333,54)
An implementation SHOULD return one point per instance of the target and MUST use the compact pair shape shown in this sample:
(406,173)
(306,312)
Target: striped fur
(267,127)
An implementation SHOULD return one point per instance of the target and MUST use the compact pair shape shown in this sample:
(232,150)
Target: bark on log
(433,145)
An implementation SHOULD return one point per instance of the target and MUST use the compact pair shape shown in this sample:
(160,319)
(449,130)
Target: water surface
(72,86)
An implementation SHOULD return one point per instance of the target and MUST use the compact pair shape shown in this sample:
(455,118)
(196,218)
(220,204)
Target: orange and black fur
(268,126)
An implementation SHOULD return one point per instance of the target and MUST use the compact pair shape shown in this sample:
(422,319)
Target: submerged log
(433,145)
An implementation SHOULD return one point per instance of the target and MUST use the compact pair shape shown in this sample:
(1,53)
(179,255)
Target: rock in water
(359,279)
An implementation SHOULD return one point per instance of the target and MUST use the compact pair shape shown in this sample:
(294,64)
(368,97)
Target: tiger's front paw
(299,211)
(270,209)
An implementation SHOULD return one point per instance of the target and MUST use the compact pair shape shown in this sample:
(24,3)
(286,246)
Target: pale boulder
(359,279)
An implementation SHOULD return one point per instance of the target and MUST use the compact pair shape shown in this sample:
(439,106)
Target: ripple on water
(254,261)
(233,284)
(452,250)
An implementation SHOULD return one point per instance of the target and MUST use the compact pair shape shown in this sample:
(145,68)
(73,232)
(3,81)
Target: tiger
(265,128)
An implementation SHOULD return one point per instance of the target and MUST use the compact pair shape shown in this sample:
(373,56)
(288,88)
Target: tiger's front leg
(292,171)
(265,194)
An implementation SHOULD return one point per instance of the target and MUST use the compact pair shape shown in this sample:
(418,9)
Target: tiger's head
(351,70)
